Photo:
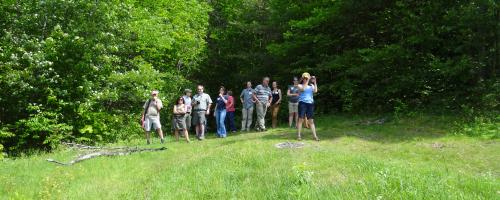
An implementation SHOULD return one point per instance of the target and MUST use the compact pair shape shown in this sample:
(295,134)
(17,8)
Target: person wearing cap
(201,103)
(307,88)
(187,103)
(293,102)
(263,96)
(151,116)
(248,100)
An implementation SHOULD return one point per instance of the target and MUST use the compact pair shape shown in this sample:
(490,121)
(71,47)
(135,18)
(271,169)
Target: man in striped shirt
(264,97)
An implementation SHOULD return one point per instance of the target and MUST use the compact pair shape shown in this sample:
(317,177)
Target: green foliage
(436,55)
(88,66)
(484,127)
(42,129)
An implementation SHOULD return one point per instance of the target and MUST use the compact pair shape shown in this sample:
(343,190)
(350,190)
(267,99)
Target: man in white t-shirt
(152,116)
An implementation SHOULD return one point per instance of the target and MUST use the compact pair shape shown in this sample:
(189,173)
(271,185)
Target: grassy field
(415,158)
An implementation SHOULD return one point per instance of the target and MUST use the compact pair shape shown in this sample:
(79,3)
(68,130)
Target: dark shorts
(179,122)
(306,110)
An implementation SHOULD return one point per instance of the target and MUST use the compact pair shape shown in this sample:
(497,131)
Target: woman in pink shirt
(230,112)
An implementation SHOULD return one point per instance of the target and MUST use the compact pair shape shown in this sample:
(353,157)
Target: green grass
(411,159)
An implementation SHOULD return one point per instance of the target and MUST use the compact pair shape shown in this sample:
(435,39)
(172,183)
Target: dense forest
(80,70)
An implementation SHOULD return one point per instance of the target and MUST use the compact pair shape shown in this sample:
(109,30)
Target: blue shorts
(306,110)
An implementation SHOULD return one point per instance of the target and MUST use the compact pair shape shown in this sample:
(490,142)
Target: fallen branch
(86,147)
(127,151)
(377,122)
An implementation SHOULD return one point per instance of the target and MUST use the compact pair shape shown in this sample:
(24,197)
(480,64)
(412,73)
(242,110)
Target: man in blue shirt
(247,100)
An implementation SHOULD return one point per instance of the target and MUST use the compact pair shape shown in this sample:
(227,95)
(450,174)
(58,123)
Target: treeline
(81,70)
(369,56)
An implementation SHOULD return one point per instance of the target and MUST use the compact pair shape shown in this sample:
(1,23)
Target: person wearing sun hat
(307,88)
(151,116)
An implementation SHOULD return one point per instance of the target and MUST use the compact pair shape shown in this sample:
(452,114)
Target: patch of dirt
(437,145)
(289,145)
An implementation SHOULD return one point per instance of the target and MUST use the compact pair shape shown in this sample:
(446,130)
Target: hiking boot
(162,141)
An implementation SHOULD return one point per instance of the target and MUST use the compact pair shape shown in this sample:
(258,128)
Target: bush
(484,127)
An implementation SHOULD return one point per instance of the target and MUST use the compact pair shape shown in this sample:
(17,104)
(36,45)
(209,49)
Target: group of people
(193,110)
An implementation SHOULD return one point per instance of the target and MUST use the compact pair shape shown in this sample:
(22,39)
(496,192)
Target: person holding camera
(220,112)
(201,108)
(151,116)
(307,88)
(263,96)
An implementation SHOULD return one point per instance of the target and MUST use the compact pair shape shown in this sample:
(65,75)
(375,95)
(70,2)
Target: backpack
(145,110)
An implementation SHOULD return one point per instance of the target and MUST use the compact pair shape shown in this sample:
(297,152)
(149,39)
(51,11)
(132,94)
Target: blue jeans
(230,121)
(220,116)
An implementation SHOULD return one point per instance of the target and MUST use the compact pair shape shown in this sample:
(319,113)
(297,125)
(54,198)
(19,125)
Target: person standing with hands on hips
(264,98)
(248,100)
(307,88)
(201,108)
(151,116)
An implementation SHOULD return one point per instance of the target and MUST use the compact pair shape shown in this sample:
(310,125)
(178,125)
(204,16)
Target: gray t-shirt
(247,95)
(201,101)
(187,102)
(263,93)
(152,109)
(293,90)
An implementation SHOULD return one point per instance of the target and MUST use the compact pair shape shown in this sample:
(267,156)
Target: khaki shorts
(293,107)
(150,122)
(199,117)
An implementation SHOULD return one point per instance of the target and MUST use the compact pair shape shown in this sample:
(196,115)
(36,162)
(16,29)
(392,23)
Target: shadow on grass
(390,131)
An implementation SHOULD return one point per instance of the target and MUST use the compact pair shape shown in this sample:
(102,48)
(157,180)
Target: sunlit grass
(410,159)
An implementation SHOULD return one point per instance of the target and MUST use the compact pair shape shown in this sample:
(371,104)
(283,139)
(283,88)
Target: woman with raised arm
(220,112)
(307,88)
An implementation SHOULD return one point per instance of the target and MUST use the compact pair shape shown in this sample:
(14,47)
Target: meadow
(411,158)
